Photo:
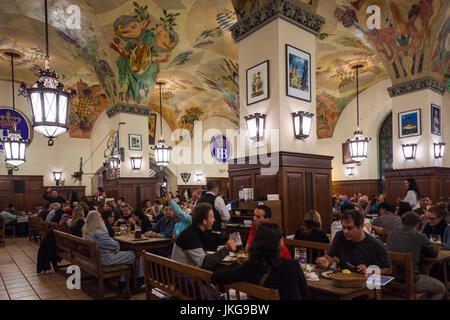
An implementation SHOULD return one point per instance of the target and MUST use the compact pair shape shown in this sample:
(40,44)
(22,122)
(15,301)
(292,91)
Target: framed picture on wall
(135,141)
(346,154)
(298,73)
(258,83)
(409,123)
(435,119)
(151,128)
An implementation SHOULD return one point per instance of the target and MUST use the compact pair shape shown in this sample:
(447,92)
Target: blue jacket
(186,220)
(164,229)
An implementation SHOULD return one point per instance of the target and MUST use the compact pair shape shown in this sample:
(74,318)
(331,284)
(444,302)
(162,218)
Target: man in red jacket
(263,213)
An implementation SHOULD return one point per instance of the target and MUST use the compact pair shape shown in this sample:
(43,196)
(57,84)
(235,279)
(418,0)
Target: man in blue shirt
(164,227)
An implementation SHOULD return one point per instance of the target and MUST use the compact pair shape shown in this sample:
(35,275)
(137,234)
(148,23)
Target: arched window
(385,147)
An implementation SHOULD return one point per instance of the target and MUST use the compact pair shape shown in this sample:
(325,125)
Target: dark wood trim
(32,195)
(349,187)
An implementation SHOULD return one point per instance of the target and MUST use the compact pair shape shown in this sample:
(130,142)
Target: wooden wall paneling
(22,201)
(294,199)
(350,187)
(236,182)
(446,186)
(264,185)
(322,200)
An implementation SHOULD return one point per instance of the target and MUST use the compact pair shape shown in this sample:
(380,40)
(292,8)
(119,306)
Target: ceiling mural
(124,47)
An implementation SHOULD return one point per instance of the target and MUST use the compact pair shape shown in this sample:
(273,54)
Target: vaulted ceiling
(123,47)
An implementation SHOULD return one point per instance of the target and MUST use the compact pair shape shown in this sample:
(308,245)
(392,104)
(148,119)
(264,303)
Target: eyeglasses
(433,218)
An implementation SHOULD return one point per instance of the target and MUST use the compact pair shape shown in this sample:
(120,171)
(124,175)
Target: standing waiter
(217,203)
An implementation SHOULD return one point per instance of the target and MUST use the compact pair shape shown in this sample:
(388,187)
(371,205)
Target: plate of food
(229,259)
(242,256)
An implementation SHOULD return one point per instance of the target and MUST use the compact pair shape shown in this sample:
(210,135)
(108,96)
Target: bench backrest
(191,283)
(82,252)
(34,222)
(402,261)
(2,231)
(179,280)
(309,245)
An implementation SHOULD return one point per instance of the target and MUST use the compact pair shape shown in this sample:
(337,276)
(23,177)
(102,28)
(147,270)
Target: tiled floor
(19,280)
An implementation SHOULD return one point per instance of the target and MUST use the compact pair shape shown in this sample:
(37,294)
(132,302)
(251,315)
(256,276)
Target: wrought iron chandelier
(13,145)
(358,144)
(162,152)
(47,99)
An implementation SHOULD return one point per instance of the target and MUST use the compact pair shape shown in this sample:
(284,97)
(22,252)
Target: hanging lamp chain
(357,96)
(12,85)
(160,107)
(47,56)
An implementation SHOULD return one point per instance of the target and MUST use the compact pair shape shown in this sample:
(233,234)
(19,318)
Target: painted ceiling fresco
(124,47)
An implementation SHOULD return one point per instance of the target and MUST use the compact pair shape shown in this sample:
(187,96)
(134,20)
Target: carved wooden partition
(367,187)
(303,182)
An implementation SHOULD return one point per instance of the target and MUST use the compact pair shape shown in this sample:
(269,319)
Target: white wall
(201,159)
(41,159)
(374,105)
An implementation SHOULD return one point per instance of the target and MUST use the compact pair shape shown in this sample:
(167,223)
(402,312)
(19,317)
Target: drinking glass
(123,229)
(237,240)
(436,239)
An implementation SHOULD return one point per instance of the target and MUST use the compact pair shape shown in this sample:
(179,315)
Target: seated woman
(312,231)
(141,220)
(265,267)
(110,254)
(77,222)
(108,218)
(437,224)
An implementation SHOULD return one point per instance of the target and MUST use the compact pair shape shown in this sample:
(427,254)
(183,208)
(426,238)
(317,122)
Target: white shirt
(411,198)
(220,206)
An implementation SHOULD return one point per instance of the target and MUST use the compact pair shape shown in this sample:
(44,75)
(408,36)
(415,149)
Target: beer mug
(123,229)
(137,233)
(436,239)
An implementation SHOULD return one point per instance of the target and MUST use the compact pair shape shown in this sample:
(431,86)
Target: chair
(309,245)
(396,289)
(2,232)
(12,228)
(35,228)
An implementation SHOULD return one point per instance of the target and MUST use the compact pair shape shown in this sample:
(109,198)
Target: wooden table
(324,289)
(139,246)
(427,263)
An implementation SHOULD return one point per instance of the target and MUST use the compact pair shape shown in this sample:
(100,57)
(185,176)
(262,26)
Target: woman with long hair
(412,194)
(265,267)
(437,224)
(77,222)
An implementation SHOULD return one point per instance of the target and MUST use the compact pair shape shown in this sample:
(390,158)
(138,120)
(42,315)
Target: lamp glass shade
(302,124)
(439,149)
(409,151)
(14,148)
(199,177)
(49,105)
(162,153)
(57,175)
(136,163)
(255,126)
(350,171)
(358,146)
(113,163)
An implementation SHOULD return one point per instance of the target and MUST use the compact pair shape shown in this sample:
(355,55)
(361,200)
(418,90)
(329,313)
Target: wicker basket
(348,280)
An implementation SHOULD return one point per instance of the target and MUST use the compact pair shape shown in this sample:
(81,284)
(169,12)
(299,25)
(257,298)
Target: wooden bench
(309,245)
(2,232)
(86,255)
(187,282)
(47,225)
(12,228)
(396,289)
(35,228)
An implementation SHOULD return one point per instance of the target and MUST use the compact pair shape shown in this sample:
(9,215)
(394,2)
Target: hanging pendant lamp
(358,144)
(13,145)
(162,152)
(47,99)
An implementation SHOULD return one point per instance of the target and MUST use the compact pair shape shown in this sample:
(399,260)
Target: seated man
(387,221)
(263,213)
(189,246)
(164,227)
(10,218)
(354,249)
(125,215)
(408,239)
